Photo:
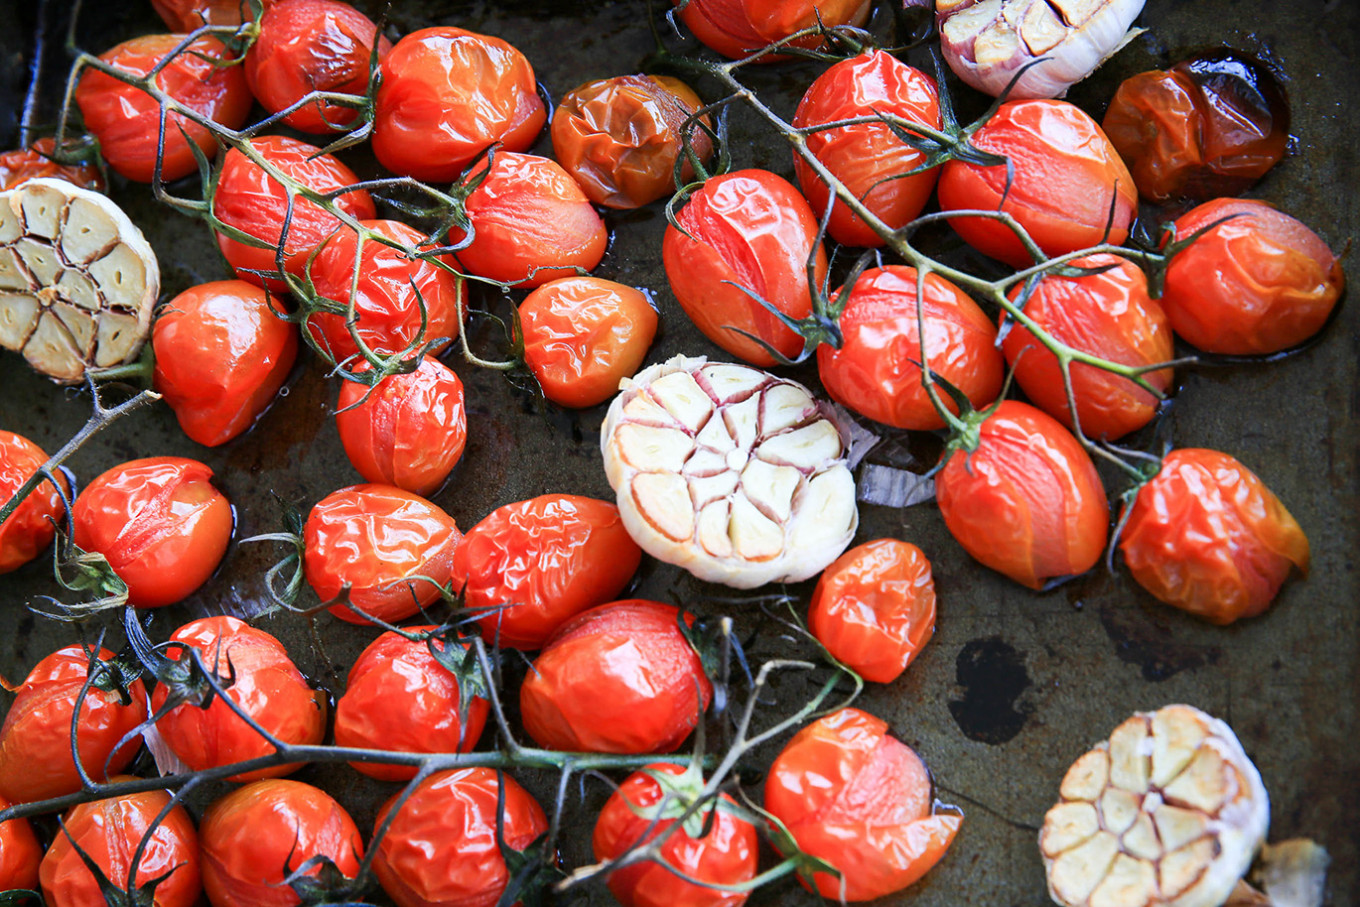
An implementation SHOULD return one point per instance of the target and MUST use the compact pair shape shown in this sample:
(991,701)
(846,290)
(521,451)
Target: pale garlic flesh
(730,472)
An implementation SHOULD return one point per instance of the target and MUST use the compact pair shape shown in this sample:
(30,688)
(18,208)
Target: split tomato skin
(20,853)
(30,528)
(34,162)
(737,28)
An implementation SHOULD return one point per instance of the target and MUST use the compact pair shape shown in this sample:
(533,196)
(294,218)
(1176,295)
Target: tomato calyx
(87,573)
(292,534)
(318,882)
(187,679)
(462,656)
(114,896)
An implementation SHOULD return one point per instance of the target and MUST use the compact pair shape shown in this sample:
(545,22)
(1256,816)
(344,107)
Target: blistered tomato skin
(184,16)
(23,164)
(20,853)
(29,529)
(737,28)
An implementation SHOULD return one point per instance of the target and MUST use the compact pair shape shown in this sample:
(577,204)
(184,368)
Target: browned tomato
(35,161)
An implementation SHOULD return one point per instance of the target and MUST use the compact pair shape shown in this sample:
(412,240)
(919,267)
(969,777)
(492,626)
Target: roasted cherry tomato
(620,137)
(1207,536)
(867,158)
(1258,283)
(1027,502)
(268,686)
(860,799)
(447,95)
(874,608)
(35,741)
(443,850)
(159,522)
(19,853)
(1067,176)
(748,230)
(35,162)
(620,678)
(126,120)
(400,697)
(737,28)
(373,539)
(29,529)
(222,353)
(531,565)
(1109,315)
(312,45)
(258,835)
(186,15)
(876,371)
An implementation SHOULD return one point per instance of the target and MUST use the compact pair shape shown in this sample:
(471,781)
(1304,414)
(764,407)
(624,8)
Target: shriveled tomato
(375,539)
(19,853)
(1258,283)
(126,120)
(29,529)
(749,229)
(187,15)
(876,371)
(159,522)
(868,158)
(35,162)
(268,687)
(399,697)
(1207,536)
(533,564)
(736,28)
(256,836)
(1027,502)
(1067,175)
(312,45)
(35,741)
(442,849)
(447,95)
(1109,315)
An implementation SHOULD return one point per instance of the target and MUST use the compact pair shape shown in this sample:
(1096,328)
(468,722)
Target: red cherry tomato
(736,28)
(442,849)
(35,741)
(187,15)
(1258,283)
(312,45)
(35,162)
(19,853)
(399,697)
(867,158)
(1027,502)
(1207,536)
(126,120)
(1066,176)
(746,229)
(859,799)
(29,529)
(875,372)
(447,95)
(160,523)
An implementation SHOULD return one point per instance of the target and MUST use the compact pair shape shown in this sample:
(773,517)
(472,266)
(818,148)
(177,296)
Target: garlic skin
(987,41)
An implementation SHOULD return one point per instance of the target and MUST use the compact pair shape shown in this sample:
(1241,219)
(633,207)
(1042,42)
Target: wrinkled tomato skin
(312,45)
(750,228)
(441,850)
(29,529)
(582,335)
(549,558)
(1109,315)
(256,836)
(35,741)
(724,856)
(222,353)
(398,697)
(1028,502)
(1258,283)
(20,853)
(160,523)
(736,28)
(620,678)
(126,120)
(875,371)
(1207,536)
(860,799)
(34,162)
(186,15)
(447,95)
(867,157)
(1066,176)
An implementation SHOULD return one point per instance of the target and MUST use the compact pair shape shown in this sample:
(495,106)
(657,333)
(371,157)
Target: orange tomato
(34,162)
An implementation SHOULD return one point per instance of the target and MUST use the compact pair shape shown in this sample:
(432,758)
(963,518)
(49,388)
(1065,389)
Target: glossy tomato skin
(875,371)
(222,353)
(736,28)
(20,853)
(29,529)
(399,697)
(1028,502)
(447,95)
(441,850)
(865,156)
(126,120)
(160,523)
(1207,536)
(35,741)
(256,836)
(23,164)
(1109,315)
(1066,176)
(861,800)
(620,678)
(184,16)
(750,228)
(1258,283)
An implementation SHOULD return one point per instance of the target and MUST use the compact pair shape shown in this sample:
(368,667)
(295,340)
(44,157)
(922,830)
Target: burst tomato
(35,162)
(736,28)
(187,15)
(29,529)
(20,853)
